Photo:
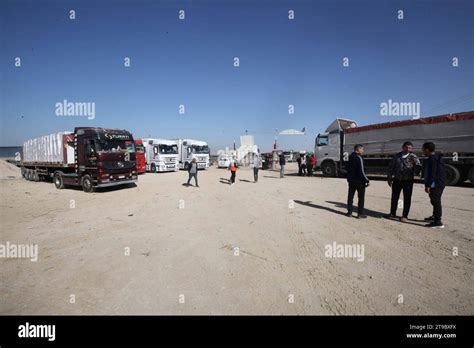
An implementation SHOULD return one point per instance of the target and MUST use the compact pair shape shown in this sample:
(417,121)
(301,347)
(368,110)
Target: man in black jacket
(357,180)
(401,173)
(434,175)
(282,165)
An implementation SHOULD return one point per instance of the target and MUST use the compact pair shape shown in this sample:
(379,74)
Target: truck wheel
(328,169)
(153,168)
(87,184)
(23,171)
(186,165)
(35,176)
(452,175)
(28,174)
(470,175)
(58,181)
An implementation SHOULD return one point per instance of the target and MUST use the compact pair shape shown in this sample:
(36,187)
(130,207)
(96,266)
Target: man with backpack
(401,172)
(233,170)
(434,176)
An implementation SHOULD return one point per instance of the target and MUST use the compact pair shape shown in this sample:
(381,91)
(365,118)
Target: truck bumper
(116,183)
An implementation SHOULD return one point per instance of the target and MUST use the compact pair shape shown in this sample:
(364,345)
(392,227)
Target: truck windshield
(115,145)
(321,140)
(204,149)
(168,149)
(139,148)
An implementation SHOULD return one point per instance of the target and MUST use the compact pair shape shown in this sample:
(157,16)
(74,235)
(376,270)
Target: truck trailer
(453,135)
(189,149)
(161,155)
(88,157)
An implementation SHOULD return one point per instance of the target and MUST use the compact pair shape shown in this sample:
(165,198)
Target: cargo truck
(161,155)
(452,134)
(140,156)
(88,157)
(191,148)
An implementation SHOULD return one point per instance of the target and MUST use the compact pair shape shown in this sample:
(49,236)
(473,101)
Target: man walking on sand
(282,165)
(257,163)
(357,180)
(192,170)
(233,170)
(434,176)
(401,172)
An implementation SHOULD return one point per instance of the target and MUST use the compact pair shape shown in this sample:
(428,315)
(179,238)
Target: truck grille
(122,165)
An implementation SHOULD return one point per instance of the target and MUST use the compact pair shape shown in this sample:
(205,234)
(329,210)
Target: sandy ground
(191,253)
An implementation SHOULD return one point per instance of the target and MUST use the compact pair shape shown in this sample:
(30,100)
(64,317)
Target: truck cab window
(90,148)
(321,141)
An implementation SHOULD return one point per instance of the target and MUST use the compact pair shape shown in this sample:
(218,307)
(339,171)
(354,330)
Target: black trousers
(232,176)
(195,178)
(300,170)
(310,169)
(360,188)
(435,198)
(255,174)
(397,187)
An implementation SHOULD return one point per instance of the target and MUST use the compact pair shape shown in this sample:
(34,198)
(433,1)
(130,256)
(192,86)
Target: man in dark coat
(434,175)
(401,174)
(357,180)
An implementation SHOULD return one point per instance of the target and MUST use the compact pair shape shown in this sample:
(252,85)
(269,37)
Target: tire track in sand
(335,293)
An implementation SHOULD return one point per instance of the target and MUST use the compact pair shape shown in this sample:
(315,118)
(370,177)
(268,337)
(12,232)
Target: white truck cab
(161,155)
(328,146)
(191,148)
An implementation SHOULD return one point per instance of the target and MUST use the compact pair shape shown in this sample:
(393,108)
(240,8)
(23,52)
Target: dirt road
(163,248)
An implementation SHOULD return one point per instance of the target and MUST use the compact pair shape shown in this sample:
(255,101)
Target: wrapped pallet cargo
(45,149)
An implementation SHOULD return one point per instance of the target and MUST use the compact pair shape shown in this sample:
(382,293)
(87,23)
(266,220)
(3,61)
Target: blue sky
(190,62)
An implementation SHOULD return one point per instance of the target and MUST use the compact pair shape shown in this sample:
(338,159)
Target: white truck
(452,134)
(191,148)
(161,155)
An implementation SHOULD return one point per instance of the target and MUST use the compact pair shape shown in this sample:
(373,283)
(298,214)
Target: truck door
(90,153)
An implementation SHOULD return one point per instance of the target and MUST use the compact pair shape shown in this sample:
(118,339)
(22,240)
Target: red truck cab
(140,156)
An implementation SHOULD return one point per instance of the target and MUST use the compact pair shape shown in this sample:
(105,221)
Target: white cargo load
(46,149)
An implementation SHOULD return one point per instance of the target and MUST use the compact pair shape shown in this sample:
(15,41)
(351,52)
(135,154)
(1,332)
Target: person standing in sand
(357,180)
(257,163)
(434,177)
(233,170)
(300,168)
(303,164)
(400,176)
(282,165)
(192,170)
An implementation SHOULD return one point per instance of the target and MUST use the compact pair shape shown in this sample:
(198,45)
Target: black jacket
(434,171)
(282,160)
(402,168)
(355,169)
